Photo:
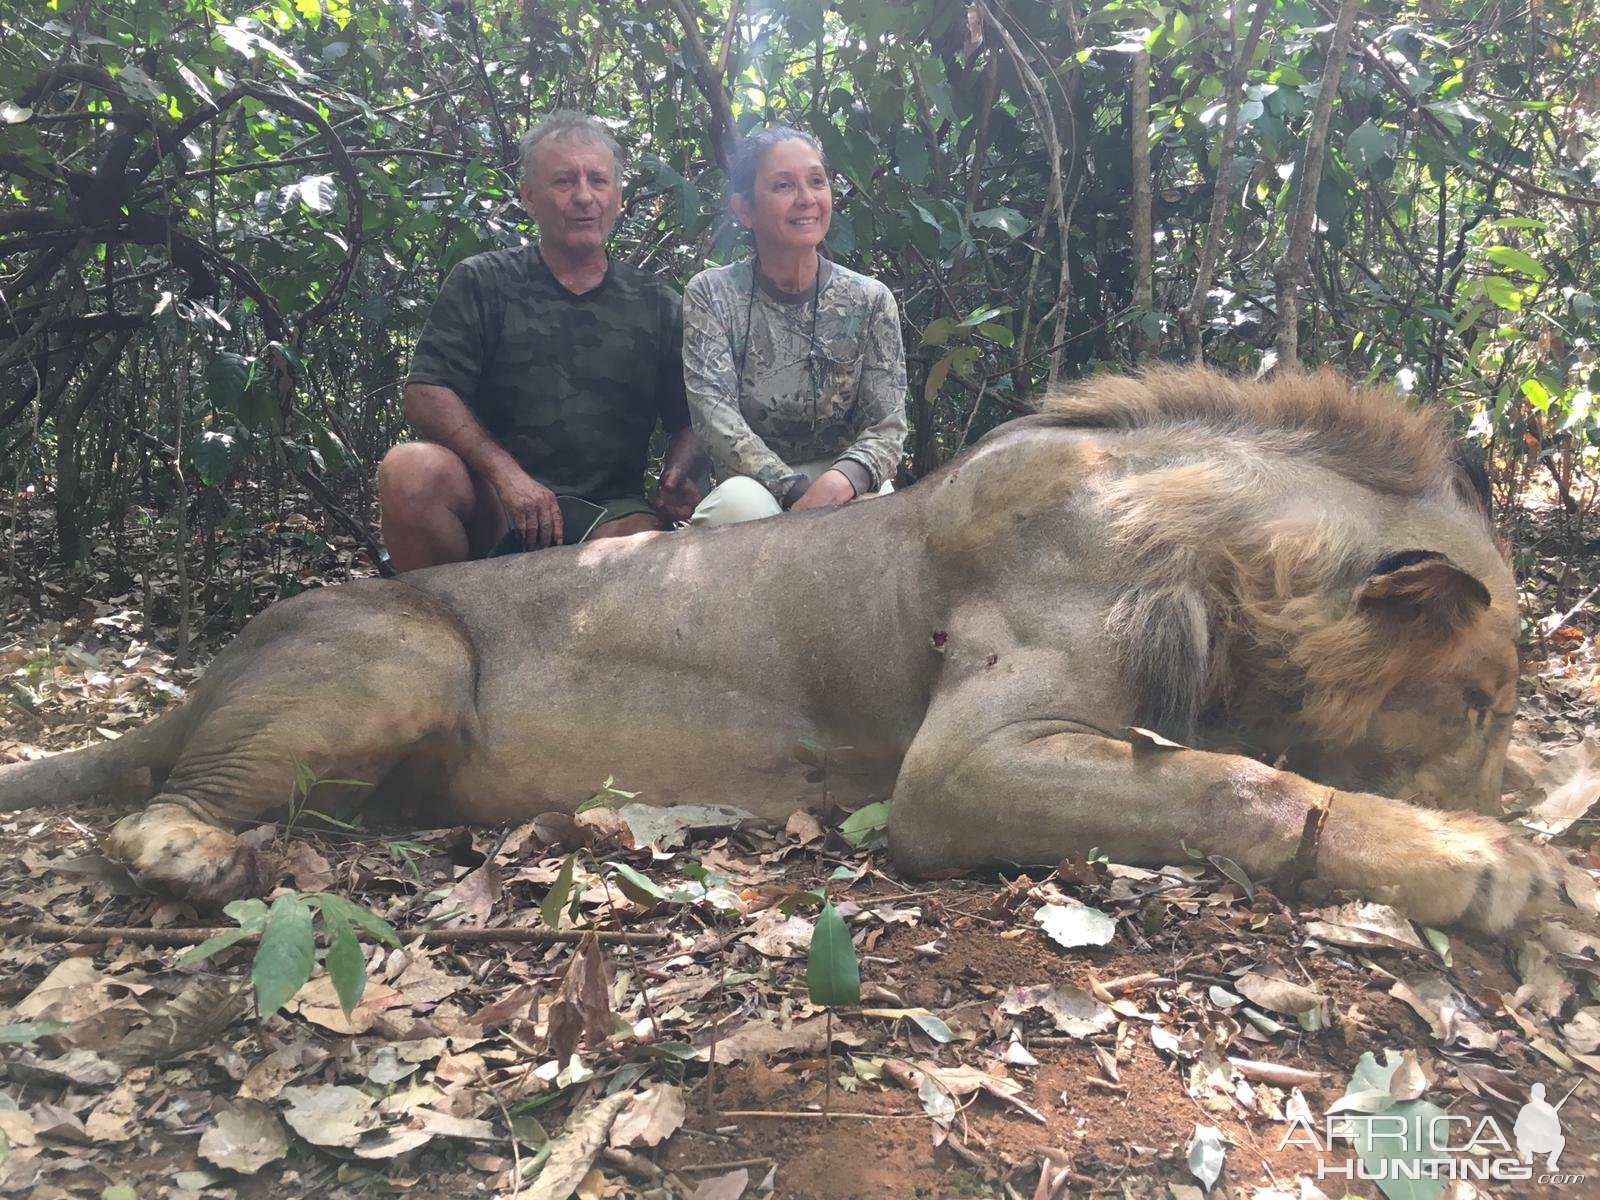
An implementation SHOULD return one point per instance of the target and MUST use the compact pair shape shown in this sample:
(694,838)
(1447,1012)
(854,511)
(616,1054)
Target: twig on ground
(1550,624)
(51,931)
(758,1114)
(733,1164)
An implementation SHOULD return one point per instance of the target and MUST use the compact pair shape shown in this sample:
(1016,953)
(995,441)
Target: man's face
(571,190)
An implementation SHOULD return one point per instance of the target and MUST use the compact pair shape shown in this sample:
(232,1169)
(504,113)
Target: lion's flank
(1237,563)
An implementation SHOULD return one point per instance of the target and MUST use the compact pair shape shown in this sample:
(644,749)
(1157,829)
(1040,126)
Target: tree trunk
(1288,271)
(709,79)
(1222,190)
(68,427)
(1143,249)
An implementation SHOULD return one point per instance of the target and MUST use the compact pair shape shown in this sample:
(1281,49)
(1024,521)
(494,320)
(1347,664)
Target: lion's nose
(1463,791)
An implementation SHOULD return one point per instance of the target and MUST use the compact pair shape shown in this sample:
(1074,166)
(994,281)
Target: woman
(795,369)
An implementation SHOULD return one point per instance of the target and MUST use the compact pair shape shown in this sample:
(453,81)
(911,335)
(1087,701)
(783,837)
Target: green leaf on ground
(346,965)
(636,887)
(212,945)
(864,825)
(364,919)
(26,1031)
(284,958)
(556,898)
(833,975)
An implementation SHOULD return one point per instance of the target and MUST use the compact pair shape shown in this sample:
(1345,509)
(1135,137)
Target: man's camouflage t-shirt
(571,385)
(823,376)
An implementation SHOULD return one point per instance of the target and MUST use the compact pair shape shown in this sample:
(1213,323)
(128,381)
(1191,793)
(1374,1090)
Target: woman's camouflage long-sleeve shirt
(800,398)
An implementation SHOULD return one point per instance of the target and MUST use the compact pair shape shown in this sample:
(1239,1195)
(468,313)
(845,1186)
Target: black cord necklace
(811,338)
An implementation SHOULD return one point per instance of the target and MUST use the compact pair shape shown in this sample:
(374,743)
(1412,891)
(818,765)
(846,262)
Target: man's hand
(677,497)
(531,508)
(828,489)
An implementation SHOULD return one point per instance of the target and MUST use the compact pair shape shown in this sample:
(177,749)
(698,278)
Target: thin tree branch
(1222,193)
(1289,270)
(709,80)
(1039,101)
(1143,246)
(299,160)
(353,527)
(52,931)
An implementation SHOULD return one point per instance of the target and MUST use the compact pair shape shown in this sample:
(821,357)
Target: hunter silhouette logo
(1411,1141)
(1538,1128)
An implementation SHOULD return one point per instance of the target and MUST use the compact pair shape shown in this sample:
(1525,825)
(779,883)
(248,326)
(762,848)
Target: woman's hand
(829,488)
(677,497)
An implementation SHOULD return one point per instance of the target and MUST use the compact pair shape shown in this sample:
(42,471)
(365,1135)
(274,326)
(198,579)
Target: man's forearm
(441,416)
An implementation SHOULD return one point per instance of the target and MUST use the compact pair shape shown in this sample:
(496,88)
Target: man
(541,375)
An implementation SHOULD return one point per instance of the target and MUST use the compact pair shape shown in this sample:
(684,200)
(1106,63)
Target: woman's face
(792,203)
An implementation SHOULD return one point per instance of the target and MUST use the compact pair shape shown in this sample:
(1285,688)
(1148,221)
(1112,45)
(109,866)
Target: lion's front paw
(1479,873)
(1519,877)
(169,849)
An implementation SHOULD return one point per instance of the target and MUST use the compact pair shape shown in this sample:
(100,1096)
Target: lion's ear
(1422,585)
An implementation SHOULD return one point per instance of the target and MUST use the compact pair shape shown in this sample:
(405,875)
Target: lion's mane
(1236,580)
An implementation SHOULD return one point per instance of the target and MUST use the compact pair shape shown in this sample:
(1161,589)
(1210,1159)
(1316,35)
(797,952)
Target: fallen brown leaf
(329,1114)
(1277,995)
(471,901)
(115,1118)
(309,870)
(723,1187)
(573,1150)
(245,1137)
(758,1039)
(653,1116)
(582,1008)
(1450,1016)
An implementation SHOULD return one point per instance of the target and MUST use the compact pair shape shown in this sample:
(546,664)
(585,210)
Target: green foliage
(305,782)
(21,1032)
(868,826)
(286,954)
(560,893)
(833,975)
(268,197)
(1386,1152)
(607,797)
(1439,942)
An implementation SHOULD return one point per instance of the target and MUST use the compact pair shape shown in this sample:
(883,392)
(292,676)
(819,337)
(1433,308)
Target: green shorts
(579,518)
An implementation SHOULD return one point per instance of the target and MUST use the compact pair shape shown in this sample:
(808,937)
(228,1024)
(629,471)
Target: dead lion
(1293,572)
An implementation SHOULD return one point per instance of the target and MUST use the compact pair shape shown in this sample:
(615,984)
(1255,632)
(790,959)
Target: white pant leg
(737,498)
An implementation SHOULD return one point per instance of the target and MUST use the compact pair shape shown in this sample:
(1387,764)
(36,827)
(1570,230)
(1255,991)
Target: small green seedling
(833,978)
(287,951)
(305,781)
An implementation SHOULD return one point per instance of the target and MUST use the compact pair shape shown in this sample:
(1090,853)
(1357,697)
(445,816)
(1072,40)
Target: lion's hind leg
(314,715)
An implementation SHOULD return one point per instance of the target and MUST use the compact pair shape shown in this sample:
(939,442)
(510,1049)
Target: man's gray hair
(566,125)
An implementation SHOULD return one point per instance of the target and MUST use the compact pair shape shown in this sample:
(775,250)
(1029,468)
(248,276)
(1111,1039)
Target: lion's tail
(127,769)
